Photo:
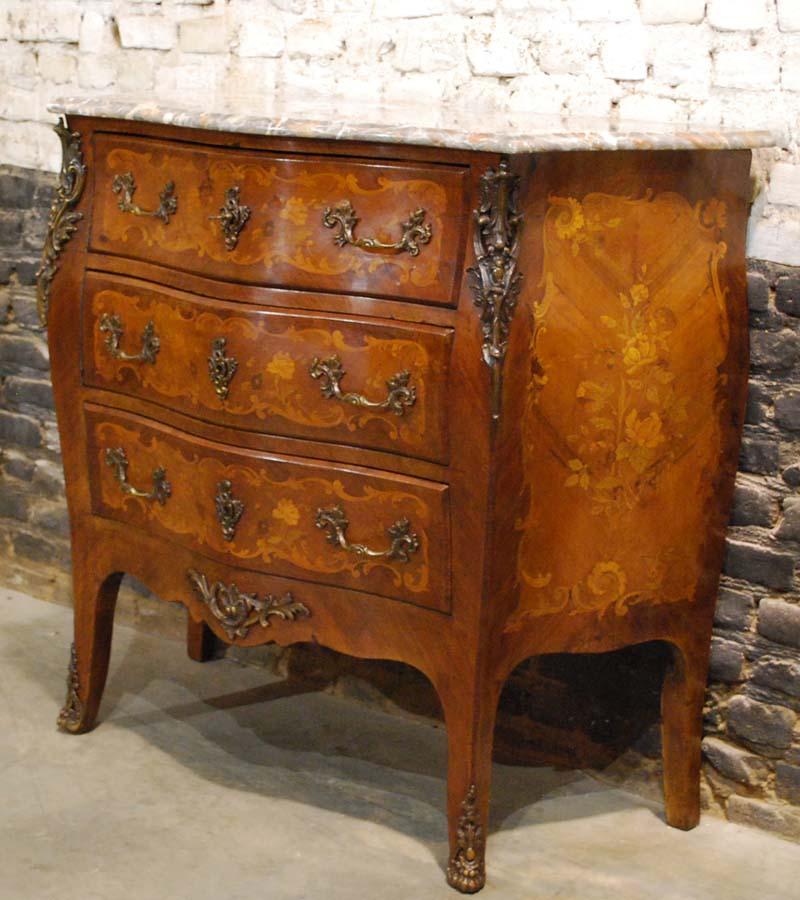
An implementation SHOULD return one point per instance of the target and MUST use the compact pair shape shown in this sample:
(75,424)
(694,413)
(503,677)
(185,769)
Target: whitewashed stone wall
(734,62)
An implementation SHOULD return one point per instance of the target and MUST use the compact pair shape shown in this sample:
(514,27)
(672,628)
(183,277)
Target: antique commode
(444,396)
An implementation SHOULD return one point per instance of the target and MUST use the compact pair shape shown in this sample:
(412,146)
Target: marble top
(431,125)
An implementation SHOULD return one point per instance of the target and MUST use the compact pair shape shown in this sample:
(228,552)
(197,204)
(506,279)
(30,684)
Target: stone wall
(732,62)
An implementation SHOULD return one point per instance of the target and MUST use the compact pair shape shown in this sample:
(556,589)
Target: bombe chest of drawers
(453,397)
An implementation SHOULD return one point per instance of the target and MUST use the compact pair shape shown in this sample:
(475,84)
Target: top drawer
(307,224)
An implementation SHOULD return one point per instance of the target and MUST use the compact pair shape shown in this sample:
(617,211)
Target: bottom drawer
(352,527)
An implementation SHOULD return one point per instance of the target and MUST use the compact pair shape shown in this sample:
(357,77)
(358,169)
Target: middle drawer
(356,381)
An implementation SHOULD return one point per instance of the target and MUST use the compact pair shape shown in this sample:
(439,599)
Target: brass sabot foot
(467,869)
(71,717)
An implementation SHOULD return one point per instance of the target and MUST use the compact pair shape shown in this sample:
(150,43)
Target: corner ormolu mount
(63,220)
(494,279)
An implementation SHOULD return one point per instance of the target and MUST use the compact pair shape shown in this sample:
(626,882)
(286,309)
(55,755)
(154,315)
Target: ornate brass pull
(221,368)
(232,217)
(117,458)
(237,611)
(414,231)
(125,186)
(400,395)
(404,541)
(114,329)
(229,509)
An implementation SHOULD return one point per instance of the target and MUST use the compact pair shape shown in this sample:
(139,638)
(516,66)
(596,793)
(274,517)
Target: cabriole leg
(200,640)
(470,731)
(682,699)
(95,600)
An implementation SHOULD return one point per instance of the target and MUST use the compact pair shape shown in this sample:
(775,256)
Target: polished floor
(214,781)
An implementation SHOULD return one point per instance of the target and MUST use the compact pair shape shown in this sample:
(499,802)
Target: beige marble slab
(429,125)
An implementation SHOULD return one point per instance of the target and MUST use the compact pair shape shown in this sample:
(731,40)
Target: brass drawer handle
(237,611)
(400,395)
(114,329)
(125,186)
(404,541)
(232,217)
(414,231)
(221,368)
(229,509)
(117,458)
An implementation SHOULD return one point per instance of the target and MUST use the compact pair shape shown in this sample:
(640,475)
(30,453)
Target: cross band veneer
(445,396)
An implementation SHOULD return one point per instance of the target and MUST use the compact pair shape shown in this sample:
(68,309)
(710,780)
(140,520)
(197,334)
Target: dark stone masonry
(585,711)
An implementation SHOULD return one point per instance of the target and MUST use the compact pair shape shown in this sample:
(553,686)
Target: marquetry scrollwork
(466,871)
(63,220)
(494,279)
(238,612)
(342,216)
(403,541)
(221,368)
(71,715)
(117,459)
(125,186)
(232,217)
(400,395)
(229,509)
(112,327)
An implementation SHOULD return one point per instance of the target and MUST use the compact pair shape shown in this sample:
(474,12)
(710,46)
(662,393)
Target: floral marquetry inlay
(627,336)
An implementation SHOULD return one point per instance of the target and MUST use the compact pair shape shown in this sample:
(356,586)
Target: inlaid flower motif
(286,511)
(295,211)
(645,432)
(571,225)
(639,351)
(640,293)
(579,476)
(281,366)
(714,214)
(574,225)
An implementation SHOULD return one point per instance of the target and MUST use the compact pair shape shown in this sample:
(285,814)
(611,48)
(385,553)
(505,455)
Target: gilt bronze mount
(342,216)
(63,220)
(125,186)
(467,868)
(221,368)
(494,279)
(229,509)
(232,217)
(71,715)
(117,459)
(237,612)
(403,541)
(113,328)
(400,395)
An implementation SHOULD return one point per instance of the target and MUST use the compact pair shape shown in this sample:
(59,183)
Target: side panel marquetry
(285,239)
(628,410)
(272,389)
(280,499)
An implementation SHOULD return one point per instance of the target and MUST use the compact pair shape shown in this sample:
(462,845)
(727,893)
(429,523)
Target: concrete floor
(213,781)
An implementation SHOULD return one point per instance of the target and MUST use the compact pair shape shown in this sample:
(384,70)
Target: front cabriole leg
(95,601)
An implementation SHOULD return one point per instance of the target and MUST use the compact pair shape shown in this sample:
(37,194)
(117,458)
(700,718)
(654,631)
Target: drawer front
(377,533)
(352,381)
(174,213)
